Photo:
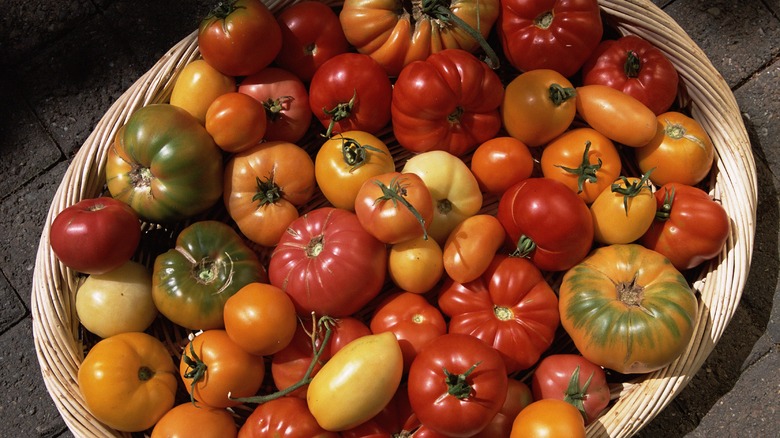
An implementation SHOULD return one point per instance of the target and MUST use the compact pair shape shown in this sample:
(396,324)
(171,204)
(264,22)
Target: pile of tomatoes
(403,227)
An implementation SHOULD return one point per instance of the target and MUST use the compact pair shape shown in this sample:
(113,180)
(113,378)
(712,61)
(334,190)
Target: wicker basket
(59,339)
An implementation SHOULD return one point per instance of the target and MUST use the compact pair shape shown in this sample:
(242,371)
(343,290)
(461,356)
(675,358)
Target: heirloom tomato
(471,246)
(189,420)
(624,211)
(412,319)
(690,226)
(457,384)
(260,318)
(549,34)
(548,418)
(357,382)
(395,420)
(128,381)
(239,37)
(447,102)
(617,115)
(196,87)
(95,235)
(164,164)
(510,307)
(454,189)
(395,32)
(328,263)
(583,159)
(210,263)
(289,365)
(636,67)
(265,185)
(345,161)
(215,369)
(538,106)
(415,265)
(395,207)
(117,301)
(500,163)
(627,309)
(311,34)
(235,121)
(518,396)
(681,151)
(573,379)
(351,92)
(286,102)
(547,222)
(285,417)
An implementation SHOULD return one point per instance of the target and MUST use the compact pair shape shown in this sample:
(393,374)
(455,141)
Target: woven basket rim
(720,286)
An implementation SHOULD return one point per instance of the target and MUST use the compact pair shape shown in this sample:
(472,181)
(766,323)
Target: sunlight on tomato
(415,265)
(500,163)
(197,86)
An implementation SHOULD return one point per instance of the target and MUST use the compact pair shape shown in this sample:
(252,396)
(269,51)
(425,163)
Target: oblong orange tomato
(236,121)
(617,115)
(681,151)
(471,246)
(500,163)
(196,87)
(265,185)
(415,265)
(583,159)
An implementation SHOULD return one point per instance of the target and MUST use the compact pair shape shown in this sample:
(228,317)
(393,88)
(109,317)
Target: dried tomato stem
(339,112)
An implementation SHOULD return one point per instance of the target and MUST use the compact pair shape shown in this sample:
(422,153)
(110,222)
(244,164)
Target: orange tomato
(236,121)
(623,212)
(548,418)
(471,245)
(196,87)
(260,318)
(617,115)
(415,265)
(500,163)
(189,419)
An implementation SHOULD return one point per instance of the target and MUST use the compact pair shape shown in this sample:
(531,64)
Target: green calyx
(355,154)
(629,189)
(576,394)
(632,65)
(560,94)
(395,192)
(268,192)
(457,384)
(586,172)
(339,112)
(440,10)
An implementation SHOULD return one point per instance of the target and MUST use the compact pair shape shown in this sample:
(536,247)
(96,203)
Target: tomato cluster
(377,236)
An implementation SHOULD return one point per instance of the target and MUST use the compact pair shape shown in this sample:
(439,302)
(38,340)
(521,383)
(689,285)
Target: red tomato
(554,34)
(311,34)
(328,263)
(573,379)
(448,102)
(239,37)
(510,307)
(690,226)
(289,365)
(518,396)
(636,67)
(95,236)
(457,384)
(286,102)
(395,420)
(235,121)
(547,222)
(395,207)
(284,417)
(351,91)
(500,163)
(412,319)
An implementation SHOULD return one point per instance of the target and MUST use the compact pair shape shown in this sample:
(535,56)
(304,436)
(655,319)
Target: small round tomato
(395,207)
(196,87)
(548,418)
(415,265)
(500,163)
(681,151)
(345,161)
(538,106)
(265,185)
(118,301)
(260,318)
(518,396)
(215,369)
(128,381)
(311,34)
(239,37)
(285,417)
(236,121)
(471,246)
(623,212)
(412,319)
(189,419)
(96,235)
(583,159)
(619,116)
(286,102)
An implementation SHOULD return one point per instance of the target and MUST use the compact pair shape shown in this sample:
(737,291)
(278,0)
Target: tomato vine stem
(438,10)
(395,192)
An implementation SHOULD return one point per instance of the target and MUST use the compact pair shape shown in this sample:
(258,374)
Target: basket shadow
(734,352)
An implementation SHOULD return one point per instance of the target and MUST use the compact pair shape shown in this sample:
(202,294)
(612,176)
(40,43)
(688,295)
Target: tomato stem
(665,211)
(274,107)
(525,246)
(630,190)
(632,65)
(439,11)
(396,192)
(457,384)
(576,395)
(196,369)
(339,112)
(356,154)
(560,94)
(268,192)
(145,373)
(222,10)
(544,20)
(586,172)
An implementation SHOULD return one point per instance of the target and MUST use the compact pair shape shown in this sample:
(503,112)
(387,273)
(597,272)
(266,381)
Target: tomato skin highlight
(189,419)
(548,418)
(287,417)
(619,116)
(500,163)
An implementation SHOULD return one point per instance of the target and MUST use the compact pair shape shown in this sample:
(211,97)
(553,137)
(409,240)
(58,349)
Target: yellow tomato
(623,212)
(357,382)
(619,116)
(415,265)
(197,86)
(128,381)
